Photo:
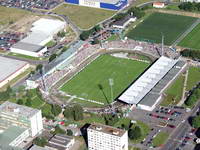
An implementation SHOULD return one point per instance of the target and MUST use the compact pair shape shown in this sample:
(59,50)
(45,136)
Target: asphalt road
(180,131)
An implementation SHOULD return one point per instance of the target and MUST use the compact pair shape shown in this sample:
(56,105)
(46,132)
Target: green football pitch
(192,40)
(152,28)
(86,83)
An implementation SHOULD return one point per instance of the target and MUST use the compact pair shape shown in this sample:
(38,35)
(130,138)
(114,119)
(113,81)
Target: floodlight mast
(162,44)
(111,83)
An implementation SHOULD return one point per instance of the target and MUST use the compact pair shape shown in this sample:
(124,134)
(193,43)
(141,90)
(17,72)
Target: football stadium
(106,4)
(93,81)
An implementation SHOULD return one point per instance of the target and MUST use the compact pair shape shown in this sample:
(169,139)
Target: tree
(56,109)
(68,113)
(52,57)
(69,132)
(134,133)
(28,102)
(196,122)
(39,67)
(78,112)
(75,113)
(58,130)
(61,34)
(40,141)
(95,41)
(85,35)
(20,102)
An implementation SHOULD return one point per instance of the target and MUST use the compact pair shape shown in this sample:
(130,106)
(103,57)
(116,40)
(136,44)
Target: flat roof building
(106,4)
(121,24)
(41,33)
(12,114)
(60,142)
(28,49)
(10,68)
(103,137)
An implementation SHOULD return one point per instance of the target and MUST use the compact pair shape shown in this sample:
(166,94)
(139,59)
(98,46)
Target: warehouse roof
(21,111)
(9,66)
(28,47)
(10,134)
(35,38)
(136,92)
(47,26)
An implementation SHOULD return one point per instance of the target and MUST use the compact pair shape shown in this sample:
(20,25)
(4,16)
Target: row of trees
(193,97)
(134,133)
(194,54)
(188,6)
(86,34)
(74,113)
(4,95)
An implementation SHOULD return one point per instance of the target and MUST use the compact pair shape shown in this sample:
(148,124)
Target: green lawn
(174,92)
(86,103)
(193,77)
(24,56)
(152,28)
(86,83)
(11,15)
(50,44)
(192,40)
(46,110)
(84,17)
(160,139)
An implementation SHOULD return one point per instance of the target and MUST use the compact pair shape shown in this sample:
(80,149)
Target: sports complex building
(147,90)
(40,34)
(10,68)
(106,4)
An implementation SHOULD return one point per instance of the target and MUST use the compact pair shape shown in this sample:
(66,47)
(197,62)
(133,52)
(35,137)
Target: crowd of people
(87,50)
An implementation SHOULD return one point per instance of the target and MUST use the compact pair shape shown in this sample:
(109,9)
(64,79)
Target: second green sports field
(158,24)
(86,83)
(192,40)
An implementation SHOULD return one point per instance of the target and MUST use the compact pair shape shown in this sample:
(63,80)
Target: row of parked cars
(29,4)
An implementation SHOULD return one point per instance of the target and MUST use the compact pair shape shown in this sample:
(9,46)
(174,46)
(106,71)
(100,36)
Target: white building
(121,24)
(41,33)
(13,114)
(102,137)
(158,5)
(28,49)
(10,69)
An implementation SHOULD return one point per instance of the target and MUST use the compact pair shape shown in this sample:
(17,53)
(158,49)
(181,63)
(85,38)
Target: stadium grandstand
(106,4)
(146,92)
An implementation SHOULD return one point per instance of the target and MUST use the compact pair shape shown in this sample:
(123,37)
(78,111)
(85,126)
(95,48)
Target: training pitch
(158,24)
(86,83)
(192,40)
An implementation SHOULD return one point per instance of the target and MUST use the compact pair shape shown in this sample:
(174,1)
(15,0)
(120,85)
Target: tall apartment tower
(102,137)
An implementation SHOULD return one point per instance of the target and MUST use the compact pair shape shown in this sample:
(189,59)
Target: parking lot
(7,39)
(164,119)
(30,4)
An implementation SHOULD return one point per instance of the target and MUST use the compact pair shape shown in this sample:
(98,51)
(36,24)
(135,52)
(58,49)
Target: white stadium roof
(137,91)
